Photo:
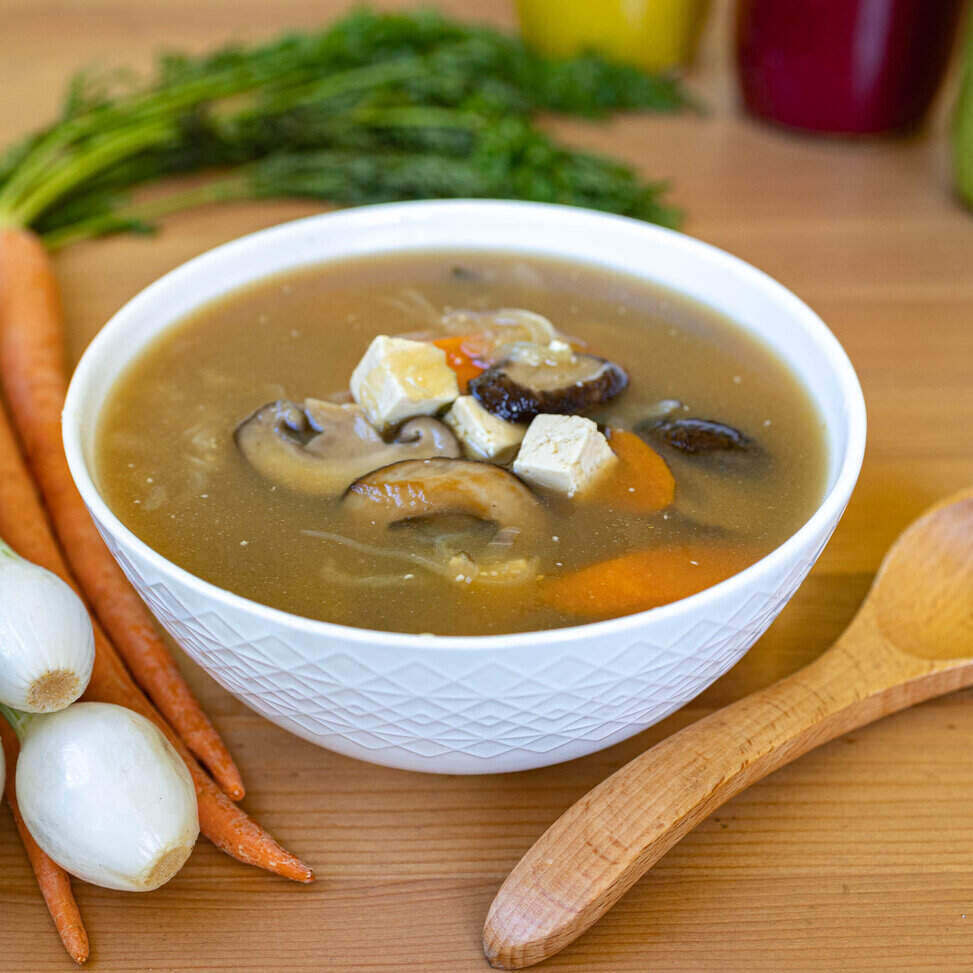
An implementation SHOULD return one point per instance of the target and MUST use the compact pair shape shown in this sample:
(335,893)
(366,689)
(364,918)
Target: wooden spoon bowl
(911,640)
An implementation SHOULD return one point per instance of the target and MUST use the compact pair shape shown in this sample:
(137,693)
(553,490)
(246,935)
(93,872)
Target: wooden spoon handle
(599,847)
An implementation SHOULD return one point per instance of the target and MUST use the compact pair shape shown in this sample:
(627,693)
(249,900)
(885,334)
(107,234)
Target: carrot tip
(76,943)
(75,940)
(80,957)
(297,871)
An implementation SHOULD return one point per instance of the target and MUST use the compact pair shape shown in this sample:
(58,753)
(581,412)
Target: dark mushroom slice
(322,448)
(705,442)
(532,382)
(435,487)
(694,436)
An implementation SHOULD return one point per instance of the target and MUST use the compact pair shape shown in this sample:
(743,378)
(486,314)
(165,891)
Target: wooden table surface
(857,857)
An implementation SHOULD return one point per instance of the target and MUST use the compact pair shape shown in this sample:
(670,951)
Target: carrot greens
(376,107)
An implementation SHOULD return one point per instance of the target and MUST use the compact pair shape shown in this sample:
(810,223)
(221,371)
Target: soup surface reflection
(730,421)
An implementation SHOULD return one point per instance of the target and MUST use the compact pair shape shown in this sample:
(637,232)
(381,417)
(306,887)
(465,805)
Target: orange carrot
(53,881)
(23,525)
(642,482)
(464,355)
(35,383)
(644,579)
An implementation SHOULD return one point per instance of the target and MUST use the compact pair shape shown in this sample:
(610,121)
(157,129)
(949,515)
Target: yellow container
(653,34)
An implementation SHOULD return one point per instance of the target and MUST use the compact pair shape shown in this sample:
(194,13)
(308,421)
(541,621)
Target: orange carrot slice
(465,356)
(642,580)
(641,482)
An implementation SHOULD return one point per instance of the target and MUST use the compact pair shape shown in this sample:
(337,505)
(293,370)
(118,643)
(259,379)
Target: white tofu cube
(398,379)
(482,434)
(564,453)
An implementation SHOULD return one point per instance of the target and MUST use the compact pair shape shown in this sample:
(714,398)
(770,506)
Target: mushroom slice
(706,443)
(428,488)
(697,435)
(535,379)
(320,449)
(427,435)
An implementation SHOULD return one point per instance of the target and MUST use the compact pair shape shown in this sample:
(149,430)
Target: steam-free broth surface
(171,469)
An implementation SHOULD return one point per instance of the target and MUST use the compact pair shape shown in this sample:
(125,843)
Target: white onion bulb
(47,646)
(104,793)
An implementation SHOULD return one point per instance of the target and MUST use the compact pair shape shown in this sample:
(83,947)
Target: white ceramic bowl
(475,704)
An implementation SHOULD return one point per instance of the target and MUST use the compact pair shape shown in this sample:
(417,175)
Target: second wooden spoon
(911,640)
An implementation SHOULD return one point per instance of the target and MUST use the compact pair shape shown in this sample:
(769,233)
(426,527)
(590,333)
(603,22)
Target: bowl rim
(828,511)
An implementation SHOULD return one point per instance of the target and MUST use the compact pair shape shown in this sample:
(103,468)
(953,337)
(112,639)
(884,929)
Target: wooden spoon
(911,640)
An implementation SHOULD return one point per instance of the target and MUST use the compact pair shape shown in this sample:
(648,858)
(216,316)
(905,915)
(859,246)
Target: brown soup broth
(169,468)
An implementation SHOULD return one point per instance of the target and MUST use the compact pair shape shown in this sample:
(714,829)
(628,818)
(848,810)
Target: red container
(843,65)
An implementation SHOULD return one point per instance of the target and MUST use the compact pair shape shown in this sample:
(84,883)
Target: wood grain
(857,857)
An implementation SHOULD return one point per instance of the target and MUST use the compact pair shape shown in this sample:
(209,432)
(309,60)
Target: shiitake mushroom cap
(695,436)
(517,392)
(706,442)
(440,486)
